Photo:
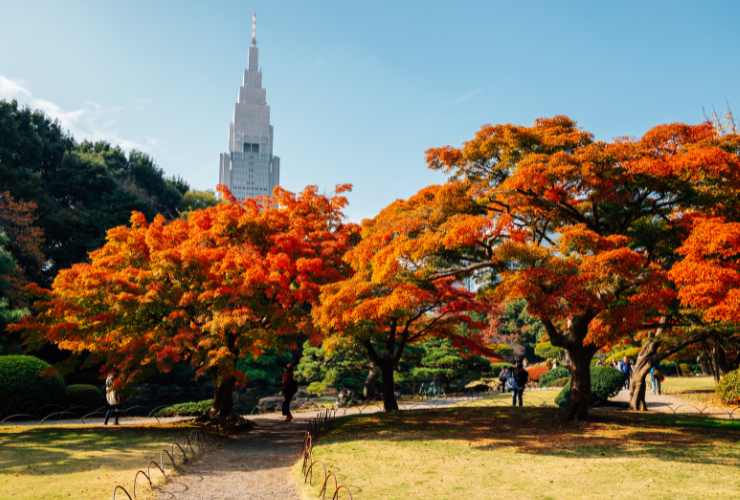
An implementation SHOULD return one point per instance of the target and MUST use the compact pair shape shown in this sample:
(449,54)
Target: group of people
(515,380)
(511,379)
(656,377)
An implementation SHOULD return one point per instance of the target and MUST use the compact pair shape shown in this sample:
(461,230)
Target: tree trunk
(389,389)
(369,389)
(580,384)
(640,371)
(223,400)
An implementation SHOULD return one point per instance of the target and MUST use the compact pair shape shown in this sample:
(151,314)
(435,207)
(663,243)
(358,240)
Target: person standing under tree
(111,395)
(626,371)
(290,387)
(520,378)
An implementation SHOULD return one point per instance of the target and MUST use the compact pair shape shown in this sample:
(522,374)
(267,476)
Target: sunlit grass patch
(495,451)
(699,390)
(76,461)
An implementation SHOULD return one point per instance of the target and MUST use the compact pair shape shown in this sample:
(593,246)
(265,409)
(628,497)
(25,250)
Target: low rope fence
(171,459)
(82,413)
(331,488)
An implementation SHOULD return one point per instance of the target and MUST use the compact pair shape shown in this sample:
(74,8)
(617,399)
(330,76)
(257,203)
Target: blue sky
(359,90)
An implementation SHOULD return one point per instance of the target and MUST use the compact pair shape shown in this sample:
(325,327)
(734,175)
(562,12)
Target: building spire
(254,29)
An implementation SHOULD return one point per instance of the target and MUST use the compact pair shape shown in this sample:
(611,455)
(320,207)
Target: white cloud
(92,121)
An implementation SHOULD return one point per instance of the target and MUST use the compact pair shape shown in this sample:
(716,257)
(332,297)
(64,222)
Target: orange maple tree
(395,295)
(709,274)
(584,225)
(206,289)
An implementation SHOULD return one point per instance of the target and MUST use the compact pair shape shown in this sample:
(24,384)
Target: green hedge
(728,388)
(547,379)
(86,395)
(28,384)
(188,409)
(605,383)
(559,382)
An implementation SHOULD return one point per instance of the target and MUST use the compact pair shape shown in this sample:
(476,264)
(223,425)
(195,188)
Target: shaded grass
(76,461)
(500,452)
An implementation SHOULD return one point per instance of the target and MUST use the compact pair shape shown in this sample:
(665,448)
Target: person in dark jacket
(520,378)
(290,387)
(627,372)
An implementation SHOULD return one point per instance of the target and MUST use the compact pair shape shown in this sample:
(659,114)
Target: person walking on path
(111,395)
(503,378)
(520,377)
(655,379)
(627,372)
(290,387)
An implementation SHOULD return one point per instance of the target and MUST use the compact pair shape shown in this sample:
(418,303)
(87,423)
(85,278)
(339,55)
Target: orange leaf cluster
(224,281)
(708,277)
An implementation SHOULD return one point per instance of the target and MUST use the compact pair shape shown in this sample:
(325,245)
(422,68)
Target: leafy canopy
(207,289)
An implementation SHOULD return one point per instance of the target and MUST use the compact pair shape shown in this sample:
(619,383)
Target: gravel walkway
(666,403)
(255,465)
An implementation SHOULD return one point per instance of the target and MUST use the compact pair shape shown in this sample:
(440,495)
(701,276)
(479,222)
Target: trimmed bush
(728,388)
(86,395)
(559,382)
(188,409)
(605,383)
(555,374)
(28,384)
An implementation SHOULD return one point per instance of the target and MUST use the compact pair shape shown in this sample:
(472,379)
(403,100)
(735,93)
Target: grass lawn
(494,451)
(699,390)
(536,397)
(76,461)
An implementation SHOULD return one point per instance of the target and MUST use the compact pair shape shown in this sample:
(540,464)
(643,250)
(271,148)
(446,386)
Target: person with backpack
(290,387)
(627,371)
(503,379)
(656,377)
(518,381)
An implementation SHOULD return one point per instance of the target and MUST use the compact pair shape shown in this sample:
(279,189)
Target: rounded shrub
(85,395)
(188,409)
(728,388)
(557,373)
(605,383)
(28,385)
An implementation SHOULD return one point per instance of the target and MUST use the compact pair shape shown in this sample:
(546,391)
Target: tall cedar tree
(207,289)
(573,214)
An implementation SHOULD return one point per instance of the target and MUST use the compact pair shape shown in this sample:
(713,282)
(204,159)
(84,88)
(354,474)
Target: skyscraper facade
(249,168)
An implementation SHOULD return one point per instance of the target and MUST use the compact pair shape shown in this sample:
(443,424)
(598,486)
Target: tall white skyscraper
(249,168)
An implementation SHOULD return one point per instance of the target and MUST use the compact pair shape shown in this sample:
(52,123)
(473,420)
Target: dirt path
(667,403)
(258,464)
(255,466)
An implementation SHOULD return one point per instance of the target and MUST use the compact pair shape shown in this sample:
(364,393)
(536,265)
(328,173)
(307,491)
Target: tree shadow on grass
(540,431)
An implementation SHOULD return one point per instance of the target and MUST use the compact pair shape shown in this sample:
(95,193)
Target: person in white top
(111,395)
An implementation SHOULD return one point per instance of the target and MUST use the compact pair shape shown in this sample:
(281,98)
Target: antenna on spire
(254,28)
